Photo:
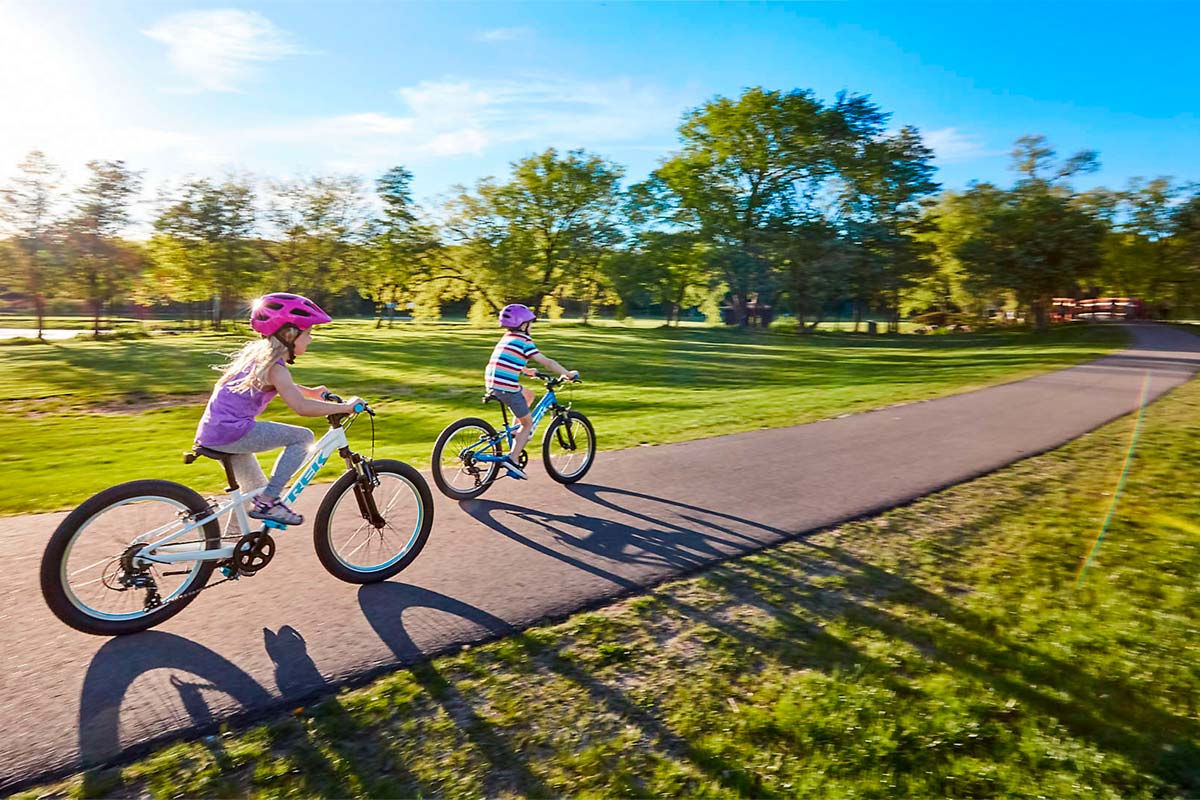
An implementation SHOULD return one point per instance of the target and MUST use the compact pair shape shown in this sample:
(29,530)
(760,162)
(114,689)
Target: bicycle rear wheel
(455,471)
(89,577)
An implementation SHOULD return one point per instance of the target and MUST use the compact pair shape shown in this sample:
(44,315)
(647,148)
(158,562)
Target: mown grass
(81,415)
(943,649)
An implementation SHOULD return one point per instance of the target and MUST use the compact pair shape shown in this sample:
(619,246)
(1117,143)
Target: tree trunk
(39,305)
(737,304)
(1041,318)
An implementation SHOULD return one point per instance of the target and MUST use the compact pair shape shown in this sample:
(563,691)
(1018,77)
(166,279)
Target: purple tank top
(230,415)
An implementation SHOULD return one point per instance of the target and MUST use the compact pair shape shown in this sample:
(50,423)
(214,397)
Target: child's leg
(296,441)
(249,477)
(521,437)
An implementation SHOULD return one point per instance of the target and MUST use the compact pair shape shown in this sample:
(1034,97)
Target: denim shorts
(514,400)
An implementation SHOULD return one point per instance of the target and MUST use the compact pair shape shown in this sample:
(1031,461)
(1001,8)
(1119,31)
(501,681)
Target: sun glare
(48,99)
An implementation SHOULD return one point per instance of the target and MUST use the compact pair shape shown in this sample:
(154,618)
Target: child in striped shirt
(503,376)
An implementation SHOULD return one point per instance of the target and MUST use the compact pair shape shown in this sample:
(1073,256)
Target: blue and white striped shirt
(512,353)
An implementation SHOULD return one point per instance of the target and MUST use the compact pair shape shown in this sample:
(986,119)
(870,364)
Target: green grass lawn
(944,649)
(82,415)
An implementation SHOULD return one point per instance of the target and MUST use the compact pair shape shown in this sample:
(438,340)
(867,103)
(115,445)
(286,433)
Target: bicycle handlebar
(358,407)
(557,379)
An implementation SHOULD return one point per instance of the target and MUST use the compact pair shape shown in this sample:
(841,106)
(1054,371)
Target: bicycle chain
(195,592)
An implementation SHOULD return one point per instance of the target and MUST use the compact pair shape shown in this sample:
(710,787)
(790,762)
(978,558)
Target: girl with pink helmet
(248,382)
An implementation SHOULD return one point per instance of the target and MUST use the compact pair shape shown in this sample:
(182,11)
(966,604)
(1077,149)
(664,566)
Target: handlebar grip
(359,408)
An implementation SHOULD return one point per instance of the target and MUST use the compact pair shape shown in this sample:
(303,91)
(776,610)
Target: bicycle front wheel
(569,447)
(90,577)
(357,546)
(455,471)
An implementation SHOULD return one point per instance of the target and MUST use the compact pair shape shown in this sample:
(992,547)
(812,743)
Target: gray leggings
(295,441)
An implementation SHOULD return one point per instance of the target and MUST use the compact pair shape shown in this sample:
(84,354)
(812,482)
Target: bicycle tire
(554,434)
(55,591)
(443,438)
(342,489)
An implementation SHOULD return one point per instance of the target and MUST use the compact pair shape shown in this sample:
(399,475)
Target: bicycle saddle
(196,452)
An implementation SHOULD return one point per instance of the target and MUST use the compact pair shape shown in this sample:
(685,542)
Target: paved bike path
(520,554)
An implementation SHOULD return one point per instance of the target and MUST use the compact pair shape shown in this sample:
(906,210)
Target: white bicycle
(136,554)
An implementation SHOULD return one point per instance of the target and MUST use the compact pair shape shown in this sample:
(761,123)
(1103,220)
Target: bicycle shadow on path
(124,660)
(187,700)
(675,540)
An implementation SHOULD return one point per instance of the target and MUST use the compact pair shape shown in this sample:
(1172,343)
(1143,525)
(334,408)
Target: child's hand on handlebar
(354,405)
(530,371)
(571,375)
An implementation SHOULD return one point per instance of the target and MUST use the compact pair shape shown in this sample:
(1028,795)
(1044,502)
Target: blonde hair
(256,360)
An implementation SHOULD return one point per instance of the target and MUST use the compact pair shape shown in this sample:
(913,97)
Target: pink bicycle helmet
(272,311)
(514,315)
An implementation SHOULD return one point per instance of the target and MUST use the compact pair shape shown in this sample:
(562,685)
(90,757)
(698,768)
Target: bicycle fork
(364,488)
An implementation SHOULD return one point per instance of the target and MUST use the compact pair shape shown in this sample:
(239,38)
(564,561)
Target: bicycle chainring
(253,552)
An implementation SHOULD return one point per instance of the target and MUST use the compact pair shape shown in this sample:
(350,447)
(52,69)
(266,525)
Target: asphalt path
(523,553)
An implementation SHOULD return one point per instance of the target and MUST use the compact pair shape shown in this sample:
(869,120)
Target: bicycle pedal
(270,523)
(230,573)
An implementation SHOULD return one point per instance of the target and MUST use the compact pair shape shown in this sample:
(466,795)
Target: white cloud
(504,35)
(951,145)
(217,50)
(561,111)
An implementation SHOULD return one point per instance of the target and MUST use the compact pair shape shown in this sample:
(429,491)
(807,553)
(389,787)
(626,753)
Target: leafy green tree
(750,166)
(546,228)
(665,268)
(887,180)
(949,223)
(403,254)
(102,266)
(814,265)
(1185,244)
(1037,241)
(1138,254)
(31,262)
(205,246)
(319,226)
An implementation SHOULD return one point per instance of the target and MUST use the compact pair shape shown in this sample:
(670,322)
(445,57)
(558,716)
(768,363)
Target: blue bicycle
(467,454)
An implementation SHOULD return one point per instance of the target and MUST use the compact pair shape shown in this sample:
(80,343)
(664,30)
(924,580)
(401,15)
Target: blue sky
(455,91)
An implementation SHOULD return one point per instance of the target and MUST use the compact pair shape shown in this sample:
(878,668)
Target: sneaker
(274,511)
(513,469)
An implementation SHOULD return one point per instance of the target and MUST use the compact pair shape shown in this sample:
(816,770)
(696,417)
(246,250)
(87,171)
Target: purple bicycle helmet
(514,315)
(272,311)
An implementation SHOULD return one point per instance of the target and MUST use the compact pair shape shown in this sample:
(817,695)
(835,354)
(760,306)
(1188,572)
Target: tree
(404,253)
(204,245)
(1138,256)
(669,269)
(887,182)
(1037,241)
(548,227)
(320,223)
(26,214)
(101,264)
(1185,244)
(750,167)
(949,223)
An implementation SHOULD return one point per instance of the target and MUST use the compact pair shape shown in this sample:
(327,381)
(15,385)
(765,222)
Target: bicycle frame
(547,402)
(163,552)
